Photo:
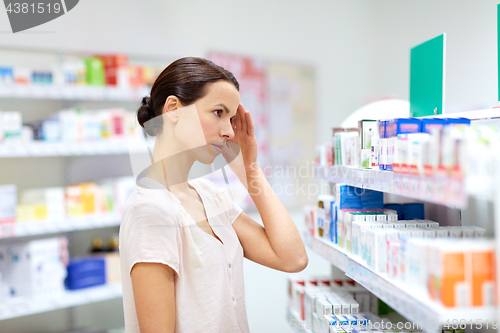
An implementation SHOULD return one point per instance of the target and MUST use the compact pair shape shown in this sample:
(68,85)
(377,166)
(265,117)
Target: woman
(182,243)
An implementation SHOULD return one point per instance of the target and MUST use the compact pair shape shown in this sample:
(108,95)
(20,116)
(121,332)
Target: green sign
(427,78)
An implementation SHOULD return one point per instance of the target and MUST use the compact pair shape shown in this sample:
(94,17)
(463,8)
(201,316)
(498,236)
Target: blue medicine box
(430,123)
(372,199)
(412,211)
(86,272)
(457,121)
(349,197)
(397,207)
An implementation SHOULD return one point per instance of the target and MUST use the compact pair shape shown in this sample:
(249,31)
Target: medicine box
(394,128)
(86,272)
(371,199)
(323,307)
(430,123)
(35,268)
(8,203)
(396,207)
(336,305)
(324,215)
(457,121)
(412,211)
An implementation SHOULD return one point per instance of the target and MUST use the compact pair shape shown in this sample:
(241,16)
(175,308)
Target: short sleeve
(153,236)
(233,210)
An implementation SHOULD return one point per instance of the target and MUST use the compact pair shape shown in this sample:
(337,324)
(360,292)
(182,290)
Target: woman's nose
(227,131)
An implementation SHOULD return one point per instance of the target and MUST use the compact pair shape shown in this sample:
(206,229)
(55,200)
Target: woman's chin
(208,158)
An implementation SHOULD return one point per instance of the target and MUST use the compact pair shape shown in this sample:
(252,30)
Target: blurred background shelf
(46,227)
(406,300)
(45,149)
(20,307)
(79,93)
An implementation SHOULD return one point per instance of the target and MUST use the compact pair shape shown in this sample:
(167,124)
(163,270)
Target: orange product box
(136,76)
(448,280)
(483,273)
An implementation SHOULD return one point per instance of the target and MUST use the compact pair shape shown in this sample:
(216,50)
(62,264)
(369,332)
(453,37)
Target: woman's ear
(171,108)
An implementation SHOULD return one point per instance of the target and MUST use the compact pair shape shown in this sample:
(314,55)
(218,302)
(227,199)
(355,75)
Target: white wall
(471,48)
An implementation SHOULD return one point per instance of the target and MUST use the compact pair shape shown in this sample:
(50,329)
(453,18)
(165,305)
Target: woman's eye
(218,112)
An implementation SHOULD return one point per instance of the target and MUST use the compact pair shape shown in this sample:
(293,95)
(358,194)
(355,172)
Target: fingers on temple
(251,128)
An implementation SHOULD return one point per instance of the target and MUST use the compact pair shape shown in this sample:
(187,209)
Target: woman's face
(213,113)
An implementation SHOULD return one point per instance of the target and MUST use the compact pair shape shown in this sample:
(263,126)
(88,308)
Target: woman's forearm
(279,226)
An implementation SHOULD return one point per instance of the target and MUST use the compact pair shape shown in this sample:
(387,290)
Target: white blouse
(209,289)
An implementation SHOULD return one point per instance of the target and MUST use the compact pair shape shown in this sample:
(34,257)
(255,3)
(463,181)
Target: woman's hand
(244,138)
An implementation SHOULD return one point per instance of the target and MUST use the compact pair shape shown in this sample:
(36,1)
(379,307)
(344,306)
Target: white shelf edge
(409,303)
(76,92)
(48,149)
(20,307)
(301,325)
(410,186)
(44,227)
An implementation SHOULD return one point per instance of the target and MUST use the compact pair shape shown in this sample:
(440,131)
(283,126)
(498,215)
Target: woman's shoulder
(150,202)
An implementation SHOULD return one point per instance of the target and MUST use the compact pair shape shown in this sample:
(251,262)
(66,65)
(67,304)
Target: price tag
(36,228)
(22,91)
(50,149)
(38,91)
(7,90)
(9,150)
(87,148)
(80,92)
(7,229)
(96,93)
(68,92)
(78,222)
(50,227)
(76,149)
(53,92)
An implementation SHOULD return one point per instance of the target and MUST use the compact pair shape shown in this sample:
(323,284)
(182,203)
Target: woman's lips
(218,147)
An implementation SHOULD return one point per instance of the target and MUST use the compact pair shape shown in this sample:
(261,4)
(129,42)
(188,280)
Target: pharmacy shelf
(296,324)
(45,149)
(44,227)
(85,93)
(440,190)
(22,306)
(409,302)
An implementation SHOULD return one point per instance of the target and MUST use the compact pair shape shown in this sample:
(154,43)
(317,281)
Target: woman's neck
(172,173)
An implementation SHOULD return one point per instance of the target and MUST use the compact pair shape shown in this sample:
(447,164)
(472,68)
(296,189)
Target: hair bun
(146,102)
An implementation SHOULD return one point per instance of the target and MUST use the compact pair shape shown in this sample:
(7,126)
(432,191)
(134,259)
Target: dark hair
(185,78)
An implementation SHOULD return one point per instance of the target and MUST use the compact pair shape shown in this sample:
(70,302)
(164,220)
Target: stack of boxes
(35,268)
(324,305)
(403,145)
(393,239)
